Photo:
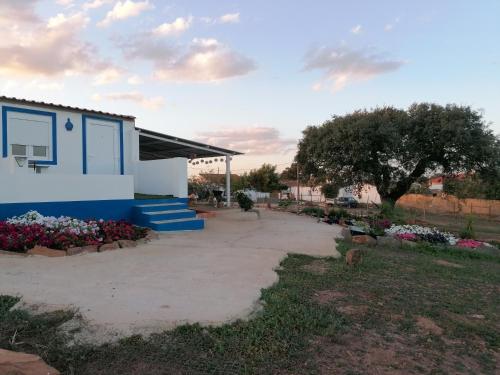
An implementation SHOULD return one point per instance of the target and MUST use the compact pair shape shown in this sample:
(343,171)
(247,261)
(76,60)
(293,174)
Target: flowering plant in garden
(24,232)
(62,223)
(384,223)
(470,244)
(432,235)
(407,236)
(120,230)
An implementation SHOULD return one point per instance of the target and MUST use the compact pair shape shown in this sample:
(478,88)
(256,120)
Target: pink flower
(407,236)
(470,244)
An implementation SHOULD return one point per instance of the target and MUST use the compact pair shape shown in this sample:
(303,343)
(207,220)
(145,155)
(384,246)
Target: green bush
(314,211)
(468,232)
(284,203)
(330,190)
(244,201)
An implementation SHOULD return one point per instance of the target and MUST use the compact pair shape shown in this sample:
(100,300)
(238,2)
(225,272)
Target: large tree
(392,148)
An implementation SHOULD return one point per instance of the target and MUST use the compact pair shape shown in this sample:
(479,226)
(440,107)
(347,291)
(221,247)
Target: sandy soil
(211,276)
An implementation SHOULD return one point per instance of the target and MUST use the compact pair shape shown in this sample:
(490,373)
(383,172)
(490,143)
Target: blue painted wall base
(139,211)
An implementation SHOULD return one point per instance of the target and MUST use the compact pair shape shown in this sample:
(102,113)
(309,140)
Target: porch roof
(154,145)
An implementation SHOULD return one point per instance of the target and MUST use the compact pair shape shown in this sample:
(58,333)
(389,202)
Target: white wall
(306,193)
(58,188)
(368,194)
(162,177)
(69,143)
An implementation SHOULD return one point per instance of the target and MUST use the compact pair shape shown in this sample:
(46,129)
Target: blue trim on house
(52,115)
(116,209)
(84,145)
(84,140)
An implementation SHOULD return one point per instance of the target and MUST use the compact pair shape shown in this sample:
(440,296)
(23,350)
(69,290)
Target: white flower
(420,230)
(51,223)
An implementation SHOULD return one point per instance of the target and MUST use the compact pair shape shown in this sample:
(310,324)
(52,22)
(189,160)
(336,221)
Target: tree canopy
(392,148)
(264,179)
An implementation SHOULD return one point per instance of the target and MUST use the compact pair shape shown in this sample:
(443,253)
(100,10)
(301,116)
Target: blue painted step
(166,215)
(178,224)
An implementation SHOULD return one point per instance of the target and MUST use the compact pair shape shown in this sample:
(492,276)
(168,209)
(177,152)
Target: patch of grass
(321,317)
(34,333)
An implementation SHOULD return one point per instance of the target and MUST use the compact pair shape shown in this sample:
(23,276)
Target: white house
(80,162)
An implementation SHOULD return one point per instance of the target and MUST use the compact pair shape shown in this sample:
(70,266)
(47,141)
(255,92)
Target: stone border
(115,245)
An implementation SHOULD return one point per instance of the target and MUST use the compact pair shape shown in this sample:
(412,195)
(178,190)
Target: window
(40,151)
(19,150)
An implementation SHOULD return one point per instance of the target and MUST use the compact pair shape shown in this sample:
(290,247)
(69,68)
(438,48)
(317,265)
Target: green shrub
(313,211)
(468,232)
(284,203)
(330,190)
(244,201)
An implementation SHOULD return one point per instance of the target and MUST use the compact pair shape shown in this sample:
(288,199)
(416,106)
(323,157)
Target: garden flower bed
(22,233)
(418,232)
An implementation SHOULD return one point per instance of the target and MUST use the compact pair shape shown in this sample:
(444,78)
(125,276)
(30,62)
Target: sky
(250,75)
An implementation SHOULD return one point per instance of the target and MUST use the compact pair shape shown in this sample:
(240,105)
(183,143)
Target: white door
(103,155)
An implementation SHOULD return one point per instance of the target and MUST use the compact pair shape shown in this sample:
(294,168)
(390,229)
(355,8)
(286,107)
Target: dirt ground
(211,276)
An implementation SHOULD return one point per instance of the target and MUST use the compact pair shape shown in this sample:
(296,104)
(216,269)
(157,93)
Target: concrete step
(156,207)
(177,224)
(168,215)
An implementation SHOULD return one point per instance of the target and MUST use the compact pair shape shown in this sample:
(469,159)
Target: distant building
(367,194)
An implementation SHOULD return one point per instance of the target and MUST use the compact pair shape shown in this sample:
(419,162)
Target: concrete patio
(211,277)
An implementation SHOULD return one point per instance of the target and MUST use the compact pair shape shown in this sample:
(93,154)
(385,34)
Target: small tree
(265,179)
(330,190)
(244,201)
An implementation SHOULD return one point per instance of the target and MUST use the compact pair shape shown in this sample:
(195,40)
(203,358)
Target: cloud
(230,18)
(390,26)
(135,80)
(94,4)
(255,140)
(48,49)
(343,66)
(16,86)
(14,12)
(176,27)
(203,60)
(124,10)
(225,18)
(107,76)
(357,29)
(65,3)
(153,103)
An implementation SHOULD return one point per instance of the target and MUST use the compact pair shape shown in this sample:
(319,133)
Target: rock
(14,363)
(346,234)
(109,246)
(364,240)
(445,263)
(477,316)
(45,251)
(388,241)
(357,231)
(82,250)
(142,241)
(354,257)
(127,243)
(428,326)
(152,235)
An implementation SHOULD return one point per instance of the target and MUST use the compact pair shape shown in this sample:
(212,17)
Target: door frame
(119,123)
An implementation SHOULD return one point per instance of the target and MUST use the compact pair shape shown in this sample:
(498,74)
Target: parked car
(349,202)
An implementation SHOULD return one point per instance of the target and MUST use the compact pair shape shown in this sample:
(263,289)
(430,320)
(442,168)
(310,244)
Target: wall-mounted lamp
(69,125)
